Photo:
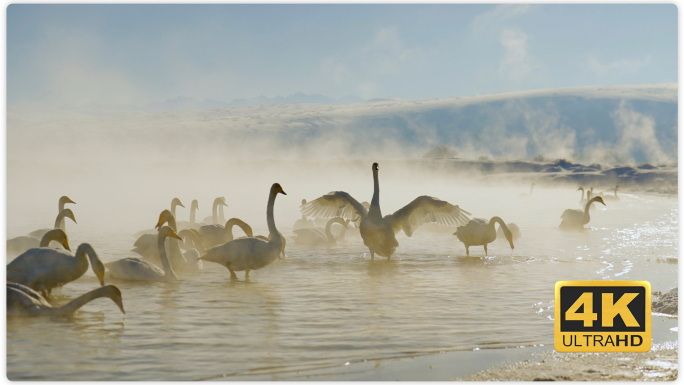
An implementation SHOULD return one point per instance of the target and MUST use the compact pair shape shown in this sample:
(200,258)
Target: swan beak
(159,223)
(100,277)
(174,235)
(69,200)
(181,205)
(511,242)
(66,244)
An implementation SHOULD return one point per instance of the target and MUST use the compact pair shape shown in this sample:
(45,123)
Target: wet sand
(660,364)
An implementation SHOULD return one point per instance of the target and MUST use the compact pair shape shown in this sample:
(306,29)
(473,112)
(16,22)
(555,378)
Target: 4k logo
(602,316)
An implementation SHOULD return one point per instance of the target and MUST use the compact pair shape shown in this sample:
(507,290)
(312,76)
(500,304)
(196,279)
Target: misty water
(320,307)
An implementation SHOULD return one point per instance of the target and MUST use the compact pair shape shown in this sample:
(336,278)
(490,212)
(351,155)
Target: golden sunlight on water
(328,306)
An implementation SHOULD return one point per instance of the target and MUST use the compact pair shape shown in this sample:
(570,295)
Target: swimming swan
(480,232)
(378,232)
(192,223)
(43,269)
(303,223)
(613,197)
(174,202)
(39,233)
(214,219)
(24,301)
(18,244)
(576,219)
(319,236)
(250,253)
(24,243)
(136,269)
(526,194)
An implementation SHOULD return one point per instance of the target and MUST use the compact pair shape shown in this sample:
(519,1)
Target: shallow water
(325,307)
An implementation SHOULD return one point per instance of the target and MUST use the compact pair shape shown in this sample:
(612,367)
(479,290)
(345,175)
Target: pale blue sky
(143,53)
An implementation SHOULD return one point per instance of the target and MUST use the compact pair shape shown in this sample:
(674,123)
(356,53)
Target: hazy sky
(143,53)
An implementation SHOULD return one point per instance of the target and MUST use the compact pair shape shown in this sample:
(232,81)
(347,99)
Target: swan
(526,194)
(479,232)
(195,248)
(303,223)
(582,199)
(24,243)
(213,235)
(214,218)
(515,231)
(613,197)
(576,219)
(319,236)
(136,269)
(24,301)
(174,203)
(38,234)
(192,223)
(250,253)
(378,232)
(43,269)
(146,245)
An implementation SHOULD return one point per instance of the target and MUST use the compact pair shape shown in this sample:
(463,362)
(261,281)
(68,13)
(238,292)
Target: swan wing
(335,204)
(427,209)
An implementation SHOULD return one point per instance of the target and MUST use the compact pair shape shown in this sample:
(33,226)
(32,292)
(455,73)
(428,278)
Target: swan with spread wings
(378,232)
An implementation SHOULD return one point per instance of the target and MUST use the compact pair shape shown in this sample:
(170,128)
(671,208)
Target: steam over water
(321,307)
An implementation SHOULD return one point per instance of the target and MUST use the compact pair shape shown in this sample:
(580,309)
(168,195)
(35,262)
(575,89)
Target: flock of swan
(42,267)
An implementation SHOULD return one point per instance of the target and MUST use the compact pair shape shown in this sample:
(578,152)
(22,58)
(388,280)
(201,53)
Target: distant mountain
(184,103)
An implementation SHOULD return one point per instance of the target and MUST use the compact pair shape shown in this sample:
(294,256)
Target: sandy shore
(660,364)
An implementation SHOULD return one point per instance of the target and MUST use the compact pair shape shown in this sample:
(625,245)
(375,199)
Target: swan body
(196,249)
(43,269)
(480,232)
(576,219)
(613,197)
(319,236)
(192,223)
(136,269)
(24,301)
(251,253)
(303,223)
(25,243)
(38,234)
(378,232)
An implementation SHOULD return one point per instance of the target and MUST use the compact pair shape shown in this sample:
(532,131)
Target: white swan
(250,253)
(18,244)
(195,248)
(38,234)
(24,243)
(43,269)
(613,197)
(515,232)
(378,232)
(526,194)
(213,235)
(192,224)
(303,223)
(146,246)
(576,219)
(24,301)
(136,269)
(214,218)
(582,199)
(318,236)
(174,203)
(480,232)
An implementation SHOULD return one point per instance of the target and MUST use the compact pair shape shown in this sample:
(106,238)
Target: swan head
(375,166)
(65,199)
(366,205)
(195,204)
(164,217)
(277,189)
(67,213)
(114,294)
(95,262)
(177,202)
(58,235)
(580,189)
(166,231)
(599,199)
(223,201)
(617,186)
(303,202)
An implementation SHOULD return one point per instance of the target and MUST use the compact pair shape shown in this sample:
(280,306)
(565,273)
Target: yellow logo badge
(602,316)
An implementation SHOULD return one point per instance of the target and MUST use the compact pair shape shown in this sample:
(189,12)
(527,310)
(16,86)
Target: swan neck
(166,265)
(375,202)
(247,229)
(47,238)
(59,222)
(269,214)
(615,193)
(531,187)
(213,212)
(220,218)
(500,221)
(192,214)
(78,302)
